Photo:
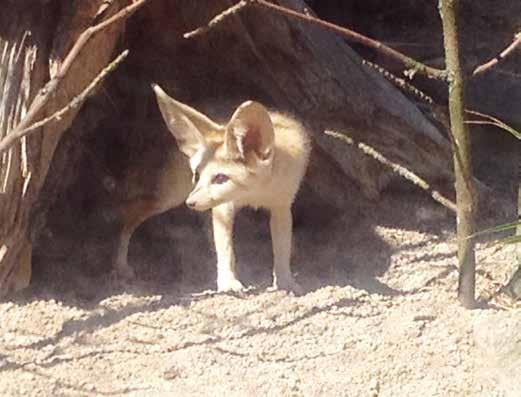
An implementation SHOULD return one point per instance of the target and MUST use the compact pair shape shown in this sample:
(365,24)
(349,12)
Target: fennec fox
(257,159)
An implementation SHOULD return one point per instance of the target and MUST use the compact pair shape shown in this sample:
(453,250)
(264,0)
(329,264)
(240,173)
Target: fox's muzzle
(193,205)
(198,204)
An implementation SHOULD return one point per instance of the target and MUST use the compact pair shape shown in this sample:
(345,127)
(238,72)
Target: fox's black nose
(190,203)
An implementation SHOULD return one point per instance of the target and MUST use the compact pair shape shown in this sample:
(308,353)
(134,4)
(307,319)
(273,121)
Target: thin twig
(489,120)
(501,57)
(217,19)
(439,112)
(399,82)
(46,92)
(76,101)
(414,67)
(399,169)
(102,10)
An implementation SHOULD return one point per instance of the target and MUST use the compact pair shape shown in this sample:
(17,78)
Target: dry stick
(76,101)
(413,65)
(501,57)
(439,112)
(490,120)
(217,19)
(400,83)
(103,8)
(399,169)
(46,92)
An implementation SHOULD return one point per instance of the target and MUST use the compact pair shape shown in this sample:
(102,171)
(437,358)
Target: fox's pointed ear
(250,131)
(188,126)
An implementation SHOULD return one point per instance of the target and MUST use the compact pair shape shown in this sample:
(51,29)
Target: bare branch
(77,101)
(414,66)
(501,57)
(217,19)
(399,169)
(489,120)
(400,83)
(46,92)
(102,10)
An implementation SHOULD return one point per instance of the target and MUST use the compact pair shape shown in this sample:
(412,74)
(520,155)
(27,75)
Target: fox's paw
(289,285)
(230,284)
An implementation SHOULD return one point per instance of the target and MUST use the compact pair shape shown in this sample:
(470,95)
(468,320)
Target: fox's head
(228,162)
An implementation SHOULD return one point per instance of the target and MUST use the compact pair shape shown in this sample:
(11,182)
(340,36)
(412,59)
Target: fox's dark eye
(195,177)
(220,178)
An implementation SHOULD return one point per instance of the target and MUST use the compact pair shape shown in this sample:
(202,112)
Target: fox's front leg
(222,219)
(281,225)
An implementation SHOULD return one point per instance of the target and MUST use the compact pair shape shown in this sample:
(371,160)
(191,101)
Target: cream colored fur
(257,159)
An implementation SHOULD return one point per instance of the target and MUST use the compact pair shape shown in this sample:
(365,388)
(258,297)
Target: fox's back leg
(172,189)
(133,214)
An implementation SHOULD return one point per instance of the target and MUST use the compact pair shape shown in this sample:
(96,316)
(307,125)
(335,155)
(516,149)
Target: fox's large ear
(250,131)
(188,126)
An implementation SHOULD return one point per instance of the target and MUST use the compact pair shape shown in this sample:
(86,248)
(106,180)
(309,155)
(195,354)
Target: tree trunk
(33,41)
(465,190)
(25,43)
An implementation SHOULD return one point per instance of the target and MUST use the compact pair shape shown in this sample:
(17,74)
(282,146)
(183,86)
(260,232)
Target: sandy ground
(390,326)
